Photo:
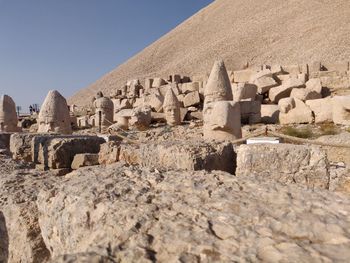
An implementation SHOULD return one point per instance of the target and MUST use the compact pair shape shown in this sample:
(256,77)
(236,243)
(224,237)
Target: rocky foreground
(120,213)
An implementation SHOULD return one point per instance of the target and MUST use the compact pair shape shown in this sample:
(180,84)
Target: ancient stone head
(221,115)
(222,120)
(171,107)
(8,115)
(54,114)
(99,95)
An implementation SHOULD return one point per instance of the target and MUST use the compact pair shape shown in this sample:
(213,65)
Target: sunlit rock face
(8,115)
(171,108)
(54,115)
(221,115)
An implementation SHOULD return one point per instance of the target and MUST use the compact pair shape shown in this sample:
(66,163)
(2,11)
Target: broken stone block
(294,111)
(265,83)
(157,82)
(250,112)
(341,110)
(195,115)
(84,159)
(180,155)
(286,163)
(140,118)
(243,75)
(189,87)
(21,146)
(269,114)
(155,102)
(243,91)
(191,99)
(312,91)
(322,109)
(337,154)
(341,66)
(295,69)
(109,153)
(283,91)
(148,84)
(57,152)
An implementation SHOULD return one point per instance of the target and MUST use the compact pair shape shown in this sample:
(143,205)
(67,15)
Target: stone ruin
(54,115)
(8,115)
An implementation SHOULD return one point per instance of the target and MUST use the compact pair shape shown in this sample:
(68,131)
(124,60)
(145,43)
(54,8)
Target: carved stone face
(172,115)
(49,124)
(222,120)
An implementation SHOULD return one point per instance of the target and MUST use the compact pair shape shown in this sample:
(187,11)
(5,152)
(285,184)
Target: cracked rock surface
(121,213)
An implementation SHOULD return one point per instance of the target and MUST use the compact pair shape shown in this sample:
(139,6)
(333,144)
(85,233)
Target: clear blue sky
(68,44)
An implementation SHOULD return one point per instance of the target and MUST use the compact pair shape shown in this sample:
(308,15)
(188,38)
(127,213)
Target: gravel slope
(267,31)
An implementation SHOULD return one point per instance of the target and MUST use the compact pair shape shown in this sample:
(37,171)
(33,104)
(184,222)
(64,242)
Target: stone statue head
(222,120)
(171,107)
(221,115)
(54,114)
(99,94)
(8,115)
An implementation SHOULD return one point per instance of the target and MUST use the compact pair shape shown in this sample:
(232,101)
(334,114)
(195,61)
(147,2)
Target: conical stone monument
(221,115)
(8,115)
(54,115)
(171,107)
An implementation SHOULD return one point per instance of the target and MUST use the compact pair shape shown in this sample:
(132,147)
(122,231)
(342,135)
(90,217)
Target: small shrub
(328,129)
(304,133)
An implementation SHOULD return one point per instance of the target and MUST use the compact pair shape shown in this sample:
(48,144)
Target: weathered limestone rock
(269,114)
(250,112)
(84,159)
(58,152)
(191,99)
(155,102)
(104,110)
(180,155)
(21,146)
(190,217)
(265,83)
(189,87)
(171,109)
(221,116)
(243,75)
(54,114)
(243,91)
(322,109)
(283,91)
(312,91)
(341,110)
(294,111)
(286,163)
(8,115)
(337,154)
(340,66)
(140,118)
(109,153)
(157,82)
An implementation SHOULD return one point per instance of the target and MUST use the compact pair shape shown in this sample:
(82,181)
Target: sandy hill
(240,31)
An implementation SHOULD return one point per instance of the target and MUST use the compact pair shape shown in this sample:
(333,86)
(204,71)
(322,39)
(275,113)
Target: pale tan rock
(283,91)
(264,84)
(191,99)
(21,146)
(341,110)
(269,114)
(109,153)
(296,112)
(337,154)
(286,163)
(250,112)
(171,109)
(54,115)
(243,75)
(84,159)
(57,152)
(157,82)
(312,91)
(190,87)
(340,66)
(244,91)
(322,109)
(104,111)
(155,102)
(8,115)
